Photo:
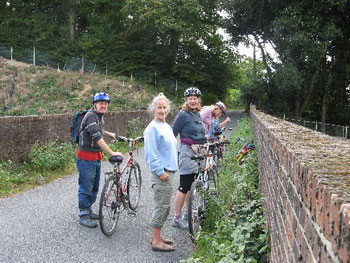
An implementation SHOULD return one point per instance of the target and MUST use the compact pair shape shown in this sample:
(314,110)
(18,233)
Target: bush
(234,230)
(51,156)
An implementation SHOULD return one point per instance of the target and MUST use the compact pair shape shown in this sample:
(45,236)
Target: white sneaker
(180,224)
(185,216)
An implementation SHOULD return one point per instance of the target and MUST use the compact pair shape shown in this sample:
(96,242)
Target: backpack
(76,125)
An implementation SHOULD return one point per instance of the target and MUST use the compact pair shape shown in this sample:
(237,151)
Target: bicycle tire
(213,181)
(196,208)
(218,156)
(134,186)
(110,206)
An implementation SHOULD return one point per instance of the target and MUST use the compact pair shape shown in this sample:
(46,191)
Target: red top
(89,156)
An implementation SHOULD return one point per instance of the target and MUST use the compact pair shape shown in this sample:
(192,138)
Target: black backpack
(76,125)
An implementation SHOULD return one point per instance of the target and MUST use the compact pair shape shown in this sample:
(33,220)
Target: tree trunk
(297,108)
(309,94)
(71,20)
(324,112)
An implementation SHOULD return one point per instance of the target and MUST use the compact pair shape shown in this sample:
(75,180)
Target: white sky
(248,51)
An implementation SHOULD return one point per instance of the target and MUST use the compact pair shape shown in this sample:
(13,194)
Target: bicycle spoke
(196,208)
(213,181)
(110,206)
(134,186)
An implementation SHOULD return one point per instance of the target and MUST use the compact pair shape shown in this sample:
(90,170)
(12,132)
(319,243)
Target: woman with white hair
(161,157)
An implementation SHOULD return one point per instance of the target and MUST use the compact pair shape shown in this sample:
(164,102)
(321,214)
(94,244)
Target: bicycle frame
(209,162)
(118,190)
(124,175)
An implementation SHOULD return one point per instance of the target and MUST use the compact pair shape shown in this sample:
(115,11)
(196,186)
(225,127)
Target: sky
(248,51)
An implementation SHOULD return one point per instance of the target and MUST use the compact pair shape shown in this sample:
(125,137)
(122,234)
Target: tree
(306,36)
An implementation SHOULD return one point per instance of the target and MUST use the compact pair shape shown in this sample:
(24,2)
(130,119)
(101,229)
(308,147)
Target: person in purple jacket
(210,116)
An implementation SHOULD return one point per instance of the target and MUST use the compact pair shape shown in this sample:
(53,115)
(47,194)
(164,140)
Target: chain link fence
(38,57)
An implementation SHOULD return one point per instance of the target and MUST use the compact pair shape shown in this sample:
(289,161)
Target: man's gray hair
(155,100)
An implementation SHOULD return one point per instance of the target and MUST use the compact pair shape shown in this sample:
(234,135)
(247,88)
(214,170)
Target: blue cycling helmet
(251,146)
(101,96)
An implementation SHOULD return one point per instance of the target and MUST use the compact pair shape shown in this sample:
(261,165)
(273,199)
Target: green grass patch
(235,229)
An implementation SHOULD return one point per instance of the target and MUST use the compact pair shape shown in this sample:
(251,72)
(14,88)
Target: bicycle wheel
(110,206)
(218,156)
(213,181)
(134,186)
(196,208)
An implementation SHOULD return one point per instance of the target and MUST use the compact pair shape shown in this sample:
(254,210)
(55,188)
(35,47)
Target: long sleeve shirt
(189,125)
(160,147)
(207,117)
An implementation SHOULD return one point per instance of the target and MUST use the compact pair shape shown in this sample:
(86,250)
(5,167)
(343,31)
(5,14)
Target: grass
(48,162)
(43,90)
(235,229)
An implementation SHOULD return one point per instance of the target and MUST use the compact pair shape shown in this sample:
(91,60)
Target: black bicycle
(122,189)
(220,150)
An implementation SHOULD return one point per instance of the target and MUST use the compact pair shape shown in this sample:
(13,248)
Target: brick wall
(18,134)
(305,180)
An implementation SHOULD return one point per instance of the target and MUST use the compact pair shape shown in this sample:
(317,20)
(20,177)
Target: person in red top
(89,156)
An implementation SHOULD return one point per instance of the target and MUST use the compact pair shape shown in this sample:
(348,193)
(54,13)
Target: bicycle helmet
(192,91)
(251,146)
(101,96)
(221,106)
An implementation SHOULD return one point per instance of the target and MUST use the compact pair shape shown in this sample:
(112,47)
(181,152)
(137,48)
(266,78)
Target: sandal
(165,240)
(162,247)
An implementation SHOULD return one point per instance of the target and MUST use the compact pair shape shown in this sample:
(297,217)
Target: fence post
(316,125)
(346,131)
(155,78)
(106,68)
(34,55)
(176,88)
(11,53)
(82,64)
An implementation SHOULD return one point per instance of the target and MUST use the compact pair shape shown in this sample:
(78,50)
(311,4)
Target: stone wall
(305,180)
(18,134)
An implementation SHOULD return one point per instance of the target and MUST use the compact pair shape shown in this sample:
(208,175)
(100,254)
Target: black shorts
(186,181)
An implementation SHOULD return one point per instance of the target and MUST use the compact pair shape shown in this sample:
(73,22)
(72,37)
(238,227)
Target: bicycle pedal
(132,213)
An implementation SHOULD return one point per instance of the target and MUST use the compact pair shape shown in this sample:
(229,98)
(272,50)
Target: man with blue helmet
(89,156)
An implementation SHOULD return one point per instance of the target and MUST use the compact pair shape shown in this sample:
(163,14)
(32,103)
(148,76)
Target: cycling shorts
(186,181)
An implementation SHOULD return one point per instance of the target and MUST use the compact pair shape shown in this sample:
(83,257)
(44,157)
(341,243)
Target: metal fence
(330,129)
(39,57)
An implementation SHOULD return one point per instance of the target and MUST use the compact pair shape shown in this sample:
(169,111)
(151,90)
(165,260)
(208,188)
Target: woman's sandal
(165,240)
(162,247)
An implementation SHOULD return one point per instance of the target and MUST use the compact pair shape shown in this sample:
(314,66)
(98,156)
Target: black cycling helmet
(101,96)
(192,91)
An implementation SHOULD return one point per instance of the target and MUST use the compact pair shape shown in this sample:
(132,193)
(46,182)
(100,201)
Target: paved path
(41,225)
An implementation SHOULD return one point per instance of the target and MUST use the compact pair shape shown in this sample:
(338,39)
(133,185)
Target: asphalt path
(42,225)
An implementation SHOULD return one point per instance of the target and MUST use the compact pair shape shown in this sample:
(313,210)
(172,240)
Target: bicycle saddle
(197,157)
(115,159)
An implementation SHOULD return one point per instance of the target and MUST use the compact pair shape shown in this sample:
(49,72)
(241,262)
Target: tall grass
(234,230)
